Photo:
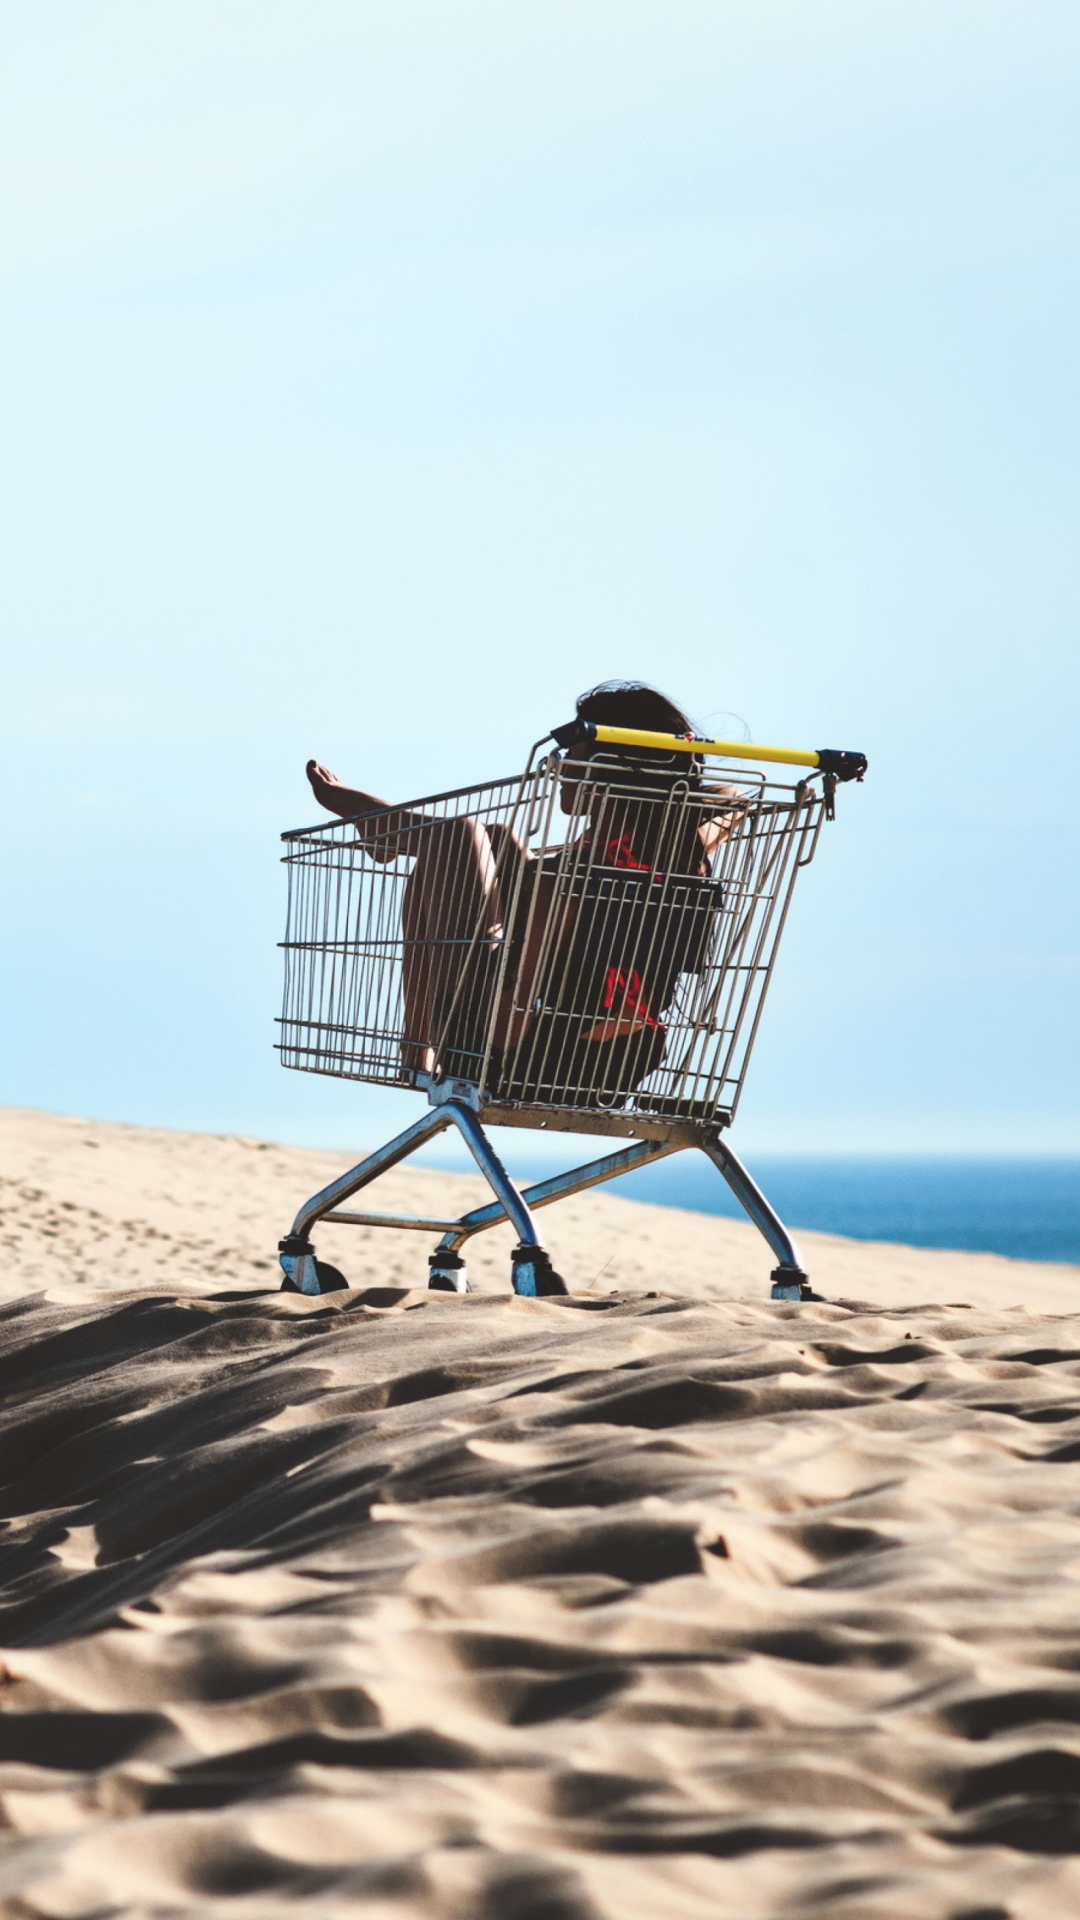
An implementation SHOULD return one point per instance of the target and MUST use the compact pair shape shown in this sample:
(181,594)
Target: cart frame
(346,955)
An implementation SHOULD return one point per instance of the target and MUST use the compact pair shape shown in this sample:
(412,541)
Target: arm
(720,827)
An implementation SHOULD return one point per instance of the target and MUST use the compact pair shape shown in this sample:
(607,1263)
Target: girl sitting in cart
(592,959)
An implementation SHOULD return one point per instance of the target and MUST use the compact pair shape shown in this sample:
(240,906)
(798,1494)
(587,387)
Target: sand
(652,1604)
(89,1202)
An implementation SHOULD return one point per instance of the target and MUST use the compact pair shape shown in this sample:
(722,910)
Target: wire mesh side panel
(342,1010)
(393,900)
(640,949)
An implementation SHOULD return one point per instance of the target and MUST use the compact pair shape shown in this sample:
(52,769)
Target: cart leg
(448,1268)
(295,1251)
(531,1270)
(789,1280)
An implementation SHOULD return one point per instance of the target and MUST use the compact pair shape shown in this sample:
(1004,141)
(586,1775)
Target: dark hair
(633,703)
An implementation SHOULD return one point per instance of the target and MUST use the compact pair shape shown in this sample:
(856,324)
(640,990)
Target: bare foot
(336,797)
(324,785)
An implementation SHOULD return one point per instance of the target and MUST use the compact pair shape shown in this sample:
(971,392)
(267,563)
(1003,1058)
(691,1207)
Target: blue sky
(376,376)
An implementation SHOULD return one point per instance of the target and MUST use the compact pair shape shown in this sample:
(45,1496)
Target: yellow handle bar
(846,766)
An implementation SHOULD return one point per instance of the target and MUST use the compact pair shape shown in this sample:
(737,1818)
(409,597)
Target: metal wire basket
(585,946)
(571,939)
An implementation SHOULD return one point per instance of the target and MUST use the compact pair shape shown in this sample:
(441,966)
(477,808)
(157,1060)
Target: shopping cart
(605,928)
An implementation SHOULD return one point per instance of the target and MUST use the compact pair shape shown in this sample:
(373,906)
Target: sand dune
(633,1606)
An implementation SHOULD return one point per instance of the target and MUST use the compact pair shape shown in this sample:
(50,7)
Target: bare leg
(387,831)
(453,906)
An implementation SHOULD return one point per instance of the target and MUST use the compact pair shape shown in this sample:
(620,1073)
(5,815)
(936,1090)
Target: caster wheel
(790,1283)
(306,1268)
(447,1272)
(533,1275)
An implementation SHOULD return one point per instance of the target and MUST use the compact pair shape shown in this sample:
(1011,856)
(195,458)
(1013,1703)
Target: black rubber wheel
(329,1278)
(551,1283)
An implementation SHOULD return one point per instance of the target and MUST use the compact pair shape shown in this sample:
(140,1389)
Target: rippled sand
(626,1607)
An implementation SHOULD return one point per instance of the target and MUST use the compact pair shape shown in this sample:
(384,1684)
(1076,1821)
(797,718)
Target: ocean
(1028,1209)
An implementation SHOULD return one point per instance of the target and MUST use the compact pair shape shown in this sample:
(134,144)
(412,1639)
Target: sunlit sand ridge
(84,1201)
(637,1604)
